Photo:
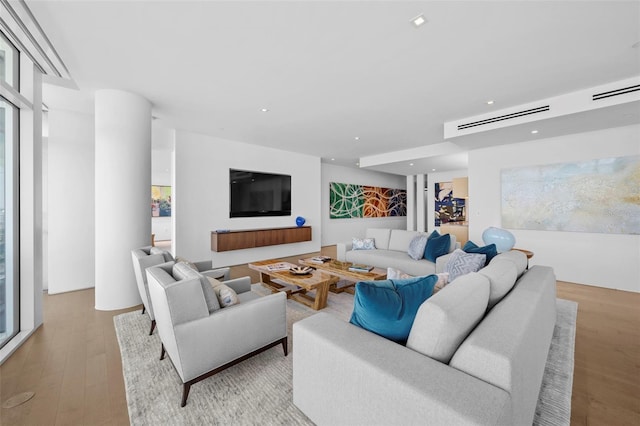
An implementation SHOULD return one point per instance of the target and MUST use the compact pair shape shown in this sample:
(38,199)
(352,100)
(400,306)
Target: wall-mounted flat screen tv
(259,194)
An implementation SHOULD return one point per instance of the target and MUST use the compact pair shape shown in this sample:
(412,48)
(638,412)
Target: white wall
(71,218)
(605,260)
(201,196)
(339,230)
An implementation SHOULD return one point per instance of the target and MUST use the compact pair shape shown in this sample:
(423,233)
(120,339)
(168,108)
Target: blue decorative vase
(503,239)
(300,221)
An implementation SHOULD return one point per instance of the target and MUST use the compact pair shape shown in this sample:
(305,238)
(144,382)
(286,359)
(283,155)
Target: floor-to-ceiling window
(9,278)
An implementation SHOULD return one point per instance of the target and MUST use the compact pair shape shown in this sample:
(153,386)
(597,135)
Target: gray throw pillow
(417,246)
(461,263)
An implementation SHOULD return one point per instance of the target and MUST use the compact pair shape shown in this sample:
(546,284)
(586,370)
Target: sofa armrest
(342,249)
(441,262)
(239,285)
(229,333)
(367,379)
(222,274)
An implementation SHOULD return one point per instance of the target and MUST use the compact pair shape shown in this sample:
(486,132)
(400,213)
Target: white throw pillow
(363,244)
(397,274)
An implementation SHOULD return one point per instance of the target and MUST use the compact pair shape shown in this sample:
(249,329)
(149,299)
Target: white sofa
(391,251)
(490,372)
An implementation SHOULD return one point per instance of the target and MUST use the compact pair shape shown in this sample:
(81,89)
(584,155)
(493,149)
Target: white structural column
(411,203)
(123,193)
(420,203)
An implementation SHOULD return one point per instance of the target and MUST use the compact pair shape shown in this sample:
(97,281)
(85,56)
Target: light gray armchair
(145,257)
(203,339)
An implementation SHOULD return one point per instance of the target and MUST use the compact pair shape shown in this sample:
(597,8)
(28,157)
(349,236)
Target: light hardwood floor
(73,364)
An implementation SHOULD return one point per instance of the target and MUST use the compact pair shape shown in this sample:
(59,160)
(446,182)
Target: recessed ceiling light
(357,138)
(419,21)
(433,170)
(411,164)
(333,159)
(357,164)
(264,110)
(533,132)
(489,102)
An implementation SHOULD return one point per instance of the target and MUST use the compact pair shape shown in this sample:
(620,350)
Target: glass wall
(9,282)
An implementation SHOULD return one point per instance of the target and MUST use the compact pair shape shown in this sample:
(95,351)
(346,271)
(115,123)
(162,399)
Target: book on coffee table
(280,266)
(319,259)
(357,267)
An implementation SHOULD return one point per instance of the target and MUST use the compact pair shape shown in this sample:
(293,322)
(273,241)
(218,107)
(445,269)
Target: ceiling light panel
(418,21)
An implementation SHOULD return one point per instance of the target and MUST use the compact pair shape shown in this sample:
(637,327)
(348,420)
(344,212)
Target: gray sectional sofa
(475,355)
(391,250)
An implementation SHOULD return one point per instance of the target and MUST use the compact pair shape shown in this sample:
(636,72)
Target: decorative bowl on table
(301,270)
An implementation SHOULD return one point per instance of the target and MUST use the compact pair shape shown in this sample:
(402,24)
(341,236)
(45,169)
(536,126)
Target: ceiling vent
(616,92)
(504,117)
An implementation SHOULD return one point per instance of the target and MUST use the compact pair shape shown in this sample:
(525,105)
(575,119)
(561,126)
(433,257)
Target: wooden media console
(250,238)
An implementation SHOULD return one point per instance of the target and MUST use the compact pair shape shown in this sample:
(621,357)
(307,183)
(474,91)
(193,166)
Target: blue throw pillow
(434,234)
(388,307)
(489,250)
(437,246)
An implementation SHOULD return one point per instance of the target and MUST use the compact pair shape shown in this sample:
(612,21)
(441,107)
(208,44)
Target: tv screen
(259,194)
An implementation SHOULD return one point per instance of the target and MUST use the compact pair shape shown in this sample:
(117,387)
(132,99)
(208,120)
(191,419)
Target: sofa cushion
(388,307)
(417,246)
(502,275)
(182,271)
(489,250)
(363,244)
(380,236)
(515,256)
(461,263)
(400,239)
(385,258)
(446,319)
(437,246)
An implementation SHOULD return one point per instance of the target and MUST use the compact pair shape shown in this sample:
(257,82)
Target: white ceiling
(331,71)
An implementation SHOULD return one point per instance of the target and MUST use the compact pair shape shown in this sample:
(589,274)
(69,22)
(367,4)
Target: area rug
(259,390)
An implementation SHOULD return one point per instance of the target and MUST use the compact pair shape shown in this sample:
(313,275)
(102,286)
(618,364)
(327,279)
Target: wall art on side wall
(350,200)
(447,208)
(599,196)
(160,201)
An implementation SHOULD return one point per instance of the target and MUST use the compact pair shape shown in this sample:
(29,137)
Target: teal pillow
(434,234)
(388,307)
(437,246)
(489,250)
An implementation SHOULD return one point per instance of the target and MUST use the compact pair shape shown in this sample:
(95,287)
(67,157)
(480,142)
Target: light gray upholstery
(147,256)
(517,257)
(509,347)
(502,275)
(344,375)
(445,319)
(142,259)
(391,250)
(200,342)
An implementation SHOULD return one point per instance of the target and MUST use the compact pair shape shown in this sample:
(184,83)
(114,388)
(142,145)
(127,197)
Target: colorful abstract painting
(600,196)
(447,208)
(160,201)
(349,201)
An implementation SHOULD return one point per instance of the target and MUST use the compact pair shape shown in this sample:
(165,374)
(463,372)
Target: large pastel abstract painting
(349,201)
(599,196)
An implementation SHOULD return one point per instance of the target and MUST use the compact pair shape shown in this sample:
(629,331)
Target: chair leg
(143,309)
(284,346)
(153,325)
(185,394)
(162,352)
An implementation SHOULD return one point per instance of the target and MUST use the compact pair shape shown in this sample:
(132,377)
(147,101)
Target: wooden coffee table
(296,286)
(341,270)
